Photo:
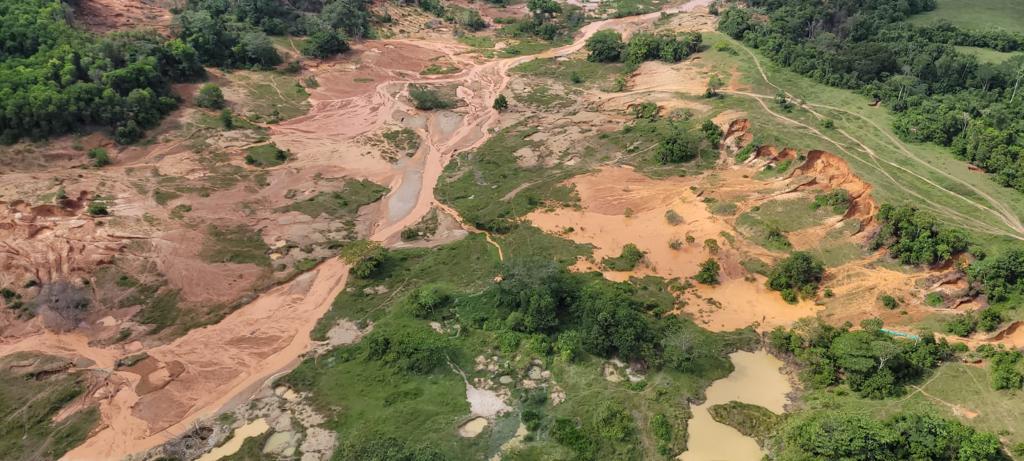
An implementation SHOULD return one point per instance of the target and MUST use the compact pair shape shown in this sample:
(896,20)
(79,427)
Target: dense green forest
(55,79)
(937,93)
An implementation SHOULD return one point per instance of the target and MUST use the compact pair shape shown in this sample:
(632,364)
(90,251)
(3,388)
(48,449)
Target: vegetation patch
(753,421)
(237,245)
(428,98)
(30,397)
(404,140)
(626,261)
(490,190)
(266,155)
(340,204)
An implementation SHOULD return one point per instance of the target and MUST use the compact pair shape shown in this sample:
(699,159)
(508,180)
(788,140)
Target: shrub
(626,261)
(645,111)
(324,43)
(605,46)
(712,132)
(708,273)
(673,218)
(500,103)
(227,119)
(800,272)
(839,200)
(99,157)
(408,348)
(962,325)
(888,301)
(428,99)
(97,208)
(426,301)
(1004,370)
(934,299)
(210,97)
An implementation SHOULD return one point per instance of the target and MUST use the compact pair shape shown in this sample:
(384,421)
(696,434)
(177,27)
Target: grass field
(986,55)
(977,14)
(343,203)
(28,402)
(923,175)
(954,390)
(271,96)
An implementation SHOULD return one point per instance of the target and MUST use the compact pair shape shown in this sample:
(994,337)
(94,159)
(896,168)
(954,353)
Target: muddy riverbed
(757,380)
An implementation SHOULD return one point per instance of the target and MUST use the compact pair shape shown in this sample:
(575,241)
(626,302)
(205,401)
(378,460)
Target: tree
(708,273)
(680,145)
(605,46)
(255,49)
(543,9)
(500,103)
(798,273)
(351,16)
(537,290)
(210,97)
(324,43)
(714,84)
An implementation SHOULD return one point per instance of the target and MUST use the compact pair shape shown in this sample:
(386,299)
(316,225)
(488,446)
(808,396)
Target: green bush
(798,273)
(626,261)
(425,98)
(839,200)
(324,43)
(916,237)
(605,46)
(99,157)
(1005,371)
(409,348)
(708,273)
(427,301)
(210,96)
(97,208)
(500,103)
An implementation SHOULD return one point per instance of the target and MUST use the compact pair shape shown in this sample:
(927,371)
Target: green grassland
(343,203)
(923,175)
(366,400)
(588,73)
(490,190)
(954,390)
(977,14)
(986,55)
(30,398)
(273,97)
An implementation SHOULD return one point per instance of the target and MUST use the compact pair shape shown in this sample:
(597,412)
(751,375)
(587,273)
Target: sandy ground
(605,197)
(209,368)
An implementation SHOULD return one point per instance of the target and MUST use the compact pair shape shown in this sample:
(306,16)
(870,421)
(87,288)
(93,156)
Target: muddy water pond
(756,380)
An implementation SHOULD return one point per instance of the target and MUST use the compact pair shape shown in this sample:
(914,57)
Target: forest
(56,79)
(936,93)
